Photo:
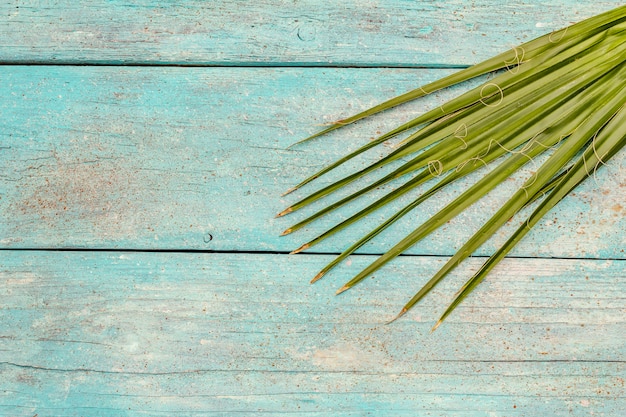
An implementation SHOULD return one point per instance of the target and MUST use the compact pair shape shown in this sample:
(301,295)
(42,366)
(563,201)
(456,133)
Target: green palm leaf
(559,97)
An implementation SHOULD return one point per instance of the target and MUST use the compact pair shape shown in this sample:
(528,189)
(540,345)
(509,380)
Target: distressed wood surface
(166,126)
(121,333)
(197,158)
(276,32)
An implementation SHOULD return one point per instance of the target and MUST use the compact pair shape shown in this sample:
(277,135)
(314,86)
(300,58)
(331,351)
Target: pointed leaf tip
(284,212)
(289,191)
(286,232)
(300,249)
(436,325)
(342,289)
(317,277)
(400,314)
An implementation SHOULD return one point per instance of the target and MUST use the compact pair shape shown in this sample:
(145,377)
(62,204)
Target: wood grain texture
(120,333)
(167,125)
(276,32)
(197,158)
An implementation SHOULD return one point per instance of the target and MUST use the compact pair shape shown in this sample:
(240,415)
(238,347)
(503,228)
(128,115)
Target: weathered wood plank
(193,334)
(357,32)
(197,158)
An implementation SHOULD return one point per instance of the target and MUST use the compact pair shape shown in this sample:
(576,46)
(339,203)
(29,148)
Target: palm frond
(559,97)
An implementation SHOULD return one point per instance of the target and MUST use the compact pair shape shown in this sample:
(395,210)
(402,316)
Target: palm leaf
(559,98)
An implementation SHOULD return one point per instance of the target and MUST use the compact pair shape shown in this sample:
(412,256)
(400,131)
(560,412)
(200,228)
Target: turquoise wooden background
(143,148)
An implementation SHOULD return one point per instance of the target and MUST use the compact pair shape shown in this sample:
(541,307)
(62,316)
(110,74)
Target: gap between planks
(318,253)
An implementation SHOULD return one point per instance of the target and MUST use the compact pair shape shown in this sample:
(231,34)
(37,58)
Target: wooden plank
(357,32)
(195,334)
(197,158)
